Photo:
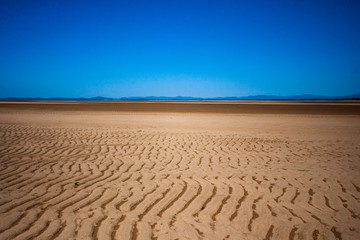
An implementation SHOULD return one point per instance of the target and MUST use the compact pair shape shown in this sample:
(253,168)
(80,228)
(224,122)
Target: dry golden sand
(233,170)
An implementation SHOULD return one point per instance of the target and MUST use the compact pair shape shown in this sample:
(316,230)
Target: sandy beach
(180,170)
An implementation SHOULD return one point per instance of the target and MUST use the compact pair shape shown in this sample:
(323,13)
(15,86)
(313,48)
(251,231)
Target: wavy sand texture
(112,183)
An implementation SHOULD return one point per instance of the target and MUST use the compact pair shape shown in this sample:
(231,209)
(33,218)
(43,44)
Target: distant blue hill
(181,98)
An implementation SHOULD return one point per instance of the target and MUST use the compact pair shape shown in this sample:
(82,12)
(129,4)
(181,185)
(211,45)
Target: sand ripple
(72,183)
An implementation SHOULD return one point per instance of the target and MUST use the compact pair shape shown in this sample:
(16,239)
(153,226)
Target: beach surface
(180,170)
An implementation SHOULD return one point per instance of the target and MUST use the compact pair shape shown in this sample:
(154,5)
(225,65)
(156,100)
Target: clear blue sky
(171,48)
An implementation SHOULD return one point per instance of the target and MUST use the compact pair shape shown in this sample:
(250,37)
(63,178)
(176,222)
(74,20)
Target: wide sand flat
(174,170)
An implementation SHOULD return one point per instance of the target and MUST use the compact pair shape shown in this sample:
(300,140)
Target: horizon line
(179,97)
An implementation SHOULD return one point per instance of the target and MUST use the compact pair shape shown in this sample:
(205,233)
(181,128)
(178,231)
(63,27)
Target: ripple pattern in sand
(67,183)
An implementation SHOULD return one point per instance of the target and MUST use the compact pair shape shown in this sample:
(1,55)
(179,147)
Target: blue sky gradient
(172,48)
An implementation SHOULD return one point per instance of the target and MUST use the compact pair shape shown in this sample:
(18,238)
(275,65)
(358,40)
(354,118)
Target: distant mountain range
(181,98)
